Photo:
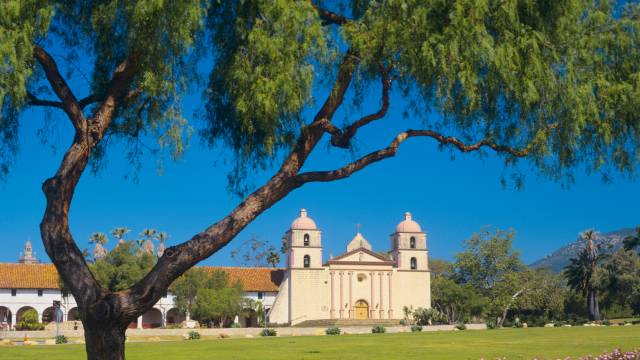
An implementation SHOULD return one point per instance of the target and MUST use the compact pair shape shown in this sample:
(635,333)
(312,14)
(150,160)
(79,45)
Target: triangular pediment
(361,255)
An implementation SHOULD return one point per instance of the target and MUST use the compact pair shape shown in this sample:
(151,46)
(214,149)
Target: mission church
(358,284)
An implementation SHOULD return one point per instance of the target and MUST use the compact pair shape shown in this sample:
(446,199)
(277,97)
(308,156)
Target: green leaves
(22,23)
(265,61)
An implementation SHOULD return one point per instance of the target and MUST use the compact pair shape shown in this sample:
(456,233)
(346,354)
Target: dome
(303,222)
(408,225)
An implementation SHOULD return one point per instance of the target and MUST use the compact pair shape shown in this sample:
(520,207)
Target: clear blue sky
(451,199)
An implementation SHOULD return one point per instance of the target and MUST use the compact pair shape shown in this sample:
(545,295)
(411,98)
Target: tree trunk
(592,305)
(104,342)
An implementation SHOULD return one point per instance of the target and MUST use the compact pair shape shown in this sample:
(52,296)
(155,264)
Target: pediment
(361,255)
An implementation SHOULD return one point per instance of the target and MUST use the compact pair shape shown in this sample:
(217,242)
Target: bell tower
(409,246)
(304,245)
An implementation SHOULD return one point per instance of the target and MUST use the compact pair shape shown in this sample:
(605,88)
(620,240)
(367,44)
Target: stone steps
(348,322)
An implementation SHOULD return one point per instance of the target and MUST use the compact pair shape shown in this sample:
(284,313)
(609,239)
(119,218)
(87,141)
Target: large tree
(555,82)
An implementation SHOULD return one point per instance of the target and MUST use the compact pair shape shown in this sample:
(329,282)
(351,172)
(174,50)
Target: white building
(359,284)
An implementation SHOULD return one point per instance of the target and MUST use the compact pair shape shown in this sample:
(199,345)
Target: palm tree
(98,238)
(119,233)
(148,235)
(580,273)
(162,237)
(631,242)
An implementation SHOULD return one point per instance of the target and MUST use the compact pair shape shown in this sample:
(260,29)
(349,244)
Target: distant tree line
(488,281)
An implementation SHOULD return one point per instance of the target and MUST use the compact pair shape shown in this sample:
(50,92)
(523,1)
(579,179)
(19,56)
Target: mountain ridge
(611,241)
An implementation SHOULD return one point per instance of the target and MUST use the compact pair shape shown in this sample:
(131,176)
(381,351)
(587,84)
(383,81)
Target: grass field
(548,343)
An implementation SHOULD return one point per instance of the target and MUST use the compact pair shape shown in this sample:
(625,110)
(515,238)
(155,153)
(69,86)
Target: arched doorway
(5,318)
(362,309)
(22,311)
(248,318)
(48,315)
(73,314)
(152,319)
(174,317)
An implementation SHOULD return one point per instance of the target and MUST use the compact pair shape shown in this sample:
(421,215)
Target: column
(390,297)
(381,297)
(372,307)
(332,313)
(351,295)
(341,297)
(40,316)
(14,315)
(139,322)
(164,317)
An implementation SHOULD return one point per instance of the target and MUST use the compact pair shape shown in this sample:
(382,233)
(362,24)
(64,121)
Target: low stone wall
(232,332)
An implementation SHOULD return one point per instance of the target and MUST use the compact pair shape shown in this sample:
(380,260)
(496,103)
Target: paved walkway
(233,332)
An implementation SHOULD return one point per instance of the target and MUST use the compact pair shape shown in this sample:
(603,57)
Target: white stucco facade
(359,284)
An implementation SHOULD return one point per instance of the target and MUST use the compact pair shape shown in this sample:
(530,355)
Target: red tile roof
(45,276)
(28,276)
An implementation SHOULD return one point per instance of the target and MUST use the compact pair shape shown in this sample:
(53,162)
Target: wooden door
(362,309)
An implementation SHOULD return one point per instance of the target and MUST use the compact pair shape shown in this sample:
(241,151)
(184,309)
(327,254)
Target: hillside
(557,260)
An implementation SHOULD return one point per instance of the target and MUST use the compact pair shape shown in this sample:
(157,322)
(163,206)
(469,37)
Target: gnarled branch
(69,102)
(35,101)
(342,138)
(392,149)
(329,17)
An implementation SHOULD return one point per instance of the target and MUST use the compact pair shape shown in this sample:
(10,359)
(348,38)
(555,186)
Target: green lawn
(490,344)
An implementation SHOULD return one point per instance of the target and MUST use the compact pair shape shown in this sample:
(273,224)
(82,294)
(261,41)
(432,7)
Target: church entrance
(362,309)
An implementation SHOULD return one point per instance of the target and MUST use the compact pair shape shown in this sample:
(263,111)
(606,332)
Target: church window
(414,263)
(306,239)
(362,277)
(259,295)
(412,242)
(307,261)
(39,292)
(14,292)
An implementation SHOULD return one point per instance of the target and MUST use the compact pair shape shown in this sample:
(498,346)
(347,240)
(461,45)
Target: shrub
(333,331)
(424,316)
(378,329)
(606,323)
(268,332)
(461,326)
(403,322)
(415,328)
(235,325)
(517,323)
(61,339)
(194,335)
(491,324)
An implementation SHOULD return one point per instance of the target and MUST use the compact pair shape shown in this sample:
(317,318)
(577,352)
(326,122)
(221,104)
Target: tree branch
(69,102)
(392,149)
(59,189)
(35,101)
(329,17)
(178,259)
(342,138)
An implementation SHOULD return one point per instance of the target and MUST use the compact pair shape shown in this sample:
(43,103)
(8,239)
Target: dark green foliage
(193,335)
(461,326)
(61,339)
(29,321)
(378,329)
(123,266)
(186,287)
(416,328)
(333,331)
(268,332)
